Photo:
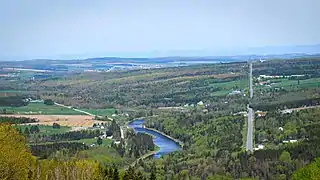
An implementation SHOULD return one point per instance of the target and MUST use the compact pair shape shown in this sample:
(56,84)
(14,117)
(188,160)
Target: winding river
(165,144)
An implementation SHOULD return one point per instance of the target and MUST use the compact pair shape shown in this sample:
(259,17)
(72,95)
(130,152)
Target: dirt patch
(63,120)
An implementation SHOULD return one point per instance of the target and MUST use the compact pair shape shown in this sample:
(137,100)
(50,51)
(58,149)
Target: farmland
(100,112)
(63,120)
(38,109)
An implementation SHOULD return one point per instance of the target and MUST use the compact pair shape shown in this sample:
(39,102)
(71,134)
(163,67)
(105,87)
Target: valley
(190,121)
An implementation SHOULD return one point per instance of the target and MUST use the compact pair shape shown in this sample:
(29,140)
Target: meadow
(38,109)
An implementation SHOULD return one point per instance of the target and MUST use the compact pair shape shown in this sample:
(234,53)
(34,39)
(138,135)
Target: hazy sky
(82,28)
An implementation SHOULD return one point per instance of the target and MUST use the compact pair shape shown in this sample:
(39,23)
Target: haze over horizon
(68,29)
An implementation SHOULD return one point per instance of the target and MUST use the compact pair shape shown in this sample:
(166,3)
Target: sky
(63,29)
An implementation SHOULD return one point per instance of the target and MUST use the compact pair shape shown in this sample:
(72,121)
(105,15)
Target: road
(84,112)
(301,108)
(249,145)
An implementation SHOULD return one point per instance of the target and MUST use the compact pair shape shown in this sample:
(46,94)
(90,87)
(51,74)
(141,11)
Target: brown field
(63,120)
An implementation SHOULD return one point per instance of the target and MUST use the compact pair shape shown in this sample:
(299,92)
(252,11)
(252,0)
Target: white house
(200,103)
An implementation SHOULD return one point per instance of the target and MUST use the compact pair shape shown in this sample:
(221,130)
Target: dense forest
(68,136)
(208,150)
(17,120)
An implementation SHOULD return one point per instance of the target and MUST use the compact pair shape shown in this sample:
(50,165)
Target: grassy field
(47,130)
(40,108)
(228,87)
(313,82)
(101,112)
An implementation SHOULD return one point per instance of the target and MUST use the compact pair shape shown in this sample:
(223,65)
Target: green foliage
(45,129)
(99,141)
(16,120)
(48,102)
(15,101)
(285,157)
(219,177)
(15,159)
(153,175)
(310,172)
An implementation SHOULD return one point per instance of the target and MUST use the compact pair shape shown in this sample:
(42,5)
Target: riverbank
(144,156)
(181,144)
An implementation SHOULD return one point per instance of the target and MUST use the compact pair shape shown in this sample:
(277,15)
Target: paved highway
(249,145)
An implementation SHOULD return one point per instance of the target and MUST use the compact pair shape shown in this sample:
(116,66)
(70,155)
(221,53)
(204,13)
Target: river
(165,144)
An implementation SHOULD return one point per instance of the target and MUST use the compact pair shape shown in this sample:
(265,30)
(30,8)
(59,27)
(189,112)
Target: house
(200,103)
(235,92)
(260,146)
(261,114)
(244,113)
(103,136)
(287,111)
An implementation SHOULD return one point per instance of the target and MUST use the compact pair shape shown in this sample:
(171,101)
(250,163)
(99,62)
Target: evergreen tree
(26,131)
(99,141)
(153,173)
(116,174)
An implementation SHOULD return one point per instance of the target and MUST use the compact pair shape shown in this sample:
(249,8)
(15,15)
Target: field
(100,112)
(63,120)
(313,82)
(40,108)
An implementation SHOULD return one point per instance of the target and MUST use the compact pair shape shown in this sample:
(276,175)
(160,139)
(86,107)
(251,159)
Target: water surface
(165,144)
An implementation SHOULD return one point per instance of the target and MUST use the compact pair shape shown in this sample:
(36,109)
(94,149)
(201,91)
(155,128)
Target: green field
(46,130)
(307,83)
(101,112)
(228,87)
(40,108)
